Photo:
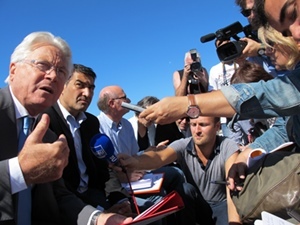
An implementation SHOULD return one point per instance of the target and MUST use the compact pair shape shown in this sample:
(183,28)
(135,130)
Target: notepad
(150,183)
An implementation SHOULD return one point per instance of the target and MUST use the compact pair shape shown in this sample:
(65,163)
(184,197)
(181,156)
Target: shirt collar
(20,110)
(191,149)
(111,124)
(80,118)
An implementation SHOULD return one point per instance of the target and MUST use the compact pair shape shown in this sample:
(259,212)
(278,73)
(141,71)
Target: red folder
(171,203)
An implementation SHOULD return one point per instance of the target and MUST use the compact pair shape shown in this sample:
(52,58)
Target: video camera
(233,49)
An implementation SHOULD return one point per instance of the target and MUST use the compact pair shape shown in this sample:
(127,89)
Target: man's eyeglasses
(122,97)
(47,67)
(246,12)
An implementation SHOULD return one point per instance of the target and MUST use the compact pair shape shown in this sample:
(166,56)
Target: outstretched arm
(170,109)
(149,160)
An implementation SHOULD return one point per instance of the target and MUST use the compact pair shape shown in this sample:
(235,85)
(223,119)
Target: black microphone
(103,148)
(208,37)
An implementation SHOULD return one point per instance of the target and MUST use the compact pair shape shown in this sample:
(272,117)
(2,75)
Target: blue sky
(136,44)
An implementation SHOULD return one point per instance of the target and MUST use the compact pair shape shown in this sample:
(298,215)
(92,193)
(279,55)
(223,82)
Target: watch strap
(192,100)
(95,218)
(262,50)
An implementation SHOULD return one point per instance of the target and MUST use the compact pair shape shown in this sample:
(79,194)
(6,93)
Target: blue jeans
(220,213)
(173,180)
(196,210)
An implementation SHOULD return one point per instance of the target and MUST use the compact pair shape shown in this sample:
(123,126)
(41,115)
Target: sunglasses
(246,12)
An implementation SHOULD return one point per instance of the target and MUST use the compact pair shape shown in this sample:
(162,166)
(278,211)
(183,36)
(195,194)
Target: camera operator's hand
(186,70)
(251,48)
(202,76)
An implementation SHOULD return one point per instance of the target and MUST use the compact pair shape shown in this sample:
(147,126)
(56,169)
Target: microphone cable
(131,190)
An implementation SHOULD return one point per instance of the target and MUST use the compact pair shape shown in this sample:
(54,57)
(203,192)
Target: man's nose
(295,31)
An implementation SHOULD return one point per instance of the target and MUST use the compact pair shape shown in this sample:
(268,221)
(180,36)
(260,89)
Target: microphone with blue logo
(103,148)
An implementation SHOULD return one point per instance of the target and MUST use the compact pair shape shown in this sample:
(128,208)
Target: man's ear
(12,71)
(218,125)
(65,85)
(111,103)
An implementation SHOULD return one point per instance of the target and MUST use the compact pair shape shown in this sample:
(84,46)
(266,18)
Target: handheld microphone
(103,148)
(132,107)
(208,37)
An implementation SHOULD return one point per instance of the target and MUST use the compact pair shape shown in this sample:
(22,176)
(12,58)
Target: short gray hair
(102,102)
(30,42)
(188,54)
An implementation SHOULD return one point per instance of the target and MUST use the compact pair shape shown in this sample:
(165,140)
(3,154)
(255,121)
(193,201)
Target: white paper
(145,182)
(270,219)
(150,181)
(258,153)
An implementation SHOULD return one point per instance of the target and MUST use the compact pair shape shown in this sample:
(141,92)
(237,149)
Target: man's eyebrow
(86,84)
(283,10)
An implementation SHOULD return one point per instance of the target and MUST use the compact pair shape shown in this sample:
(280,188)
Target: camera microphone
(207,38)
(103,148)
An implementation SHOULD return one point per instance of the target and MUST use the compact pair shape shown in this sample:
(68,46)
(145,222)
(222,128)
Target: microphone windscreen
(103,148)
(208,37)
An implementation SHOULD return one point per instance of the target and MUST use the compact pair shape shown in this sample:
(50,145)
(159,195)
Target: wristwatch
(95,218)
(193,110)
(261,51)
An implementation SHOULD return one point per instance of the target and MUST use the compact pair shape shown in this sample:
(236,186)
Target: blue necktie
(24,196)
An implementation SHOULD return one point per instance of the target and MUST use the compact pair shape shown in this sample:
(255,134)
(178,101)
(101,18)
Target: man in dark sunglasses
(246,8)
(246,12)
(254,50)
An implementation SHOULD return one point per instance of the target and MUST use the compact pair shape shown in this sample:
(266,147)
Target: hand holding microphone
(103,148)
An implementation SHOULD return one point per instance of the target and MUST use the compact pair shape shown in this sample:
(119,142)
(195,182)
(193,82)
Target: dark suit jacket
(97,169)
(52,203)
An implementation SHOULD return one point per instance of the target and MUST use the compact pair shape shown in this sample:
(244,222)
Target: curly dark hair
(250,72)
(260,17)
(241,3)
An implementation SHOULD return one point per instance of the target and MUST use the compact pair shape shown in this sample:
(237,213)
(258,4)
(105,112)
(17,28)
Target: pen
(220,182)
(225,182)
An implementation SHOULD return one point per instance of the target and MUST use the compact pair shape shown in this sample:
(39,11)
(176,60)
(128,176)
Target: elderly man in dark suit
(31,171)
(85,175)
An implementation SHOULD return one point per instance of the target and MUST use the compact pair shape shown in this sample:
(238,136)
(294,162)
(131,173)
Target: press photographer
(193,78)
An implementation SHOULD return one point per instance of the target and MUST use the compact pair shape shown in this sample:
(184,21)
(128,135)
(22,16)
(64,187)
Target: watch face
(193,112)
(261,51)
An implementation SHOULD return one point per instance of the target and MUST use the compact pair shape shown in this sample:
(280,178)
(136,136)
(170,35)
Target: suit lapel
(8,121)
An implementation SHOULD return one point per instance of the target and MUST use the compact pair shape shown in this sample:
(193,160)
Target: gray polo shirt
(200,176)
